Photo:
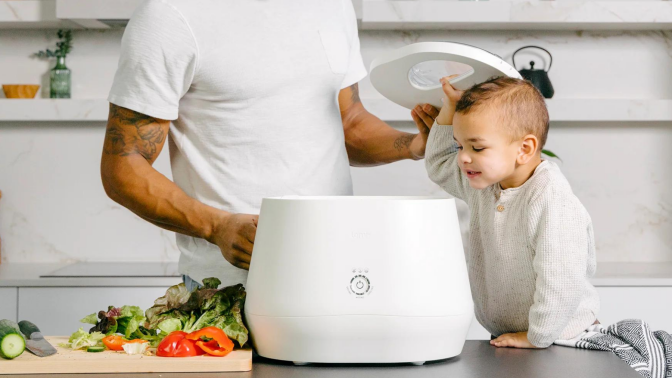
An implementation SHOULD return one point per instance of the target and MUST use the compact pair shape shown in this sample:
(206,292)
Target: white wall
(54,207)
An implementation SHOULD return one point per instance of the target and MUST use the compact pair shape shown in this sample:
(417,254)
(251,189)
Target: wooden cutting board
(78,361)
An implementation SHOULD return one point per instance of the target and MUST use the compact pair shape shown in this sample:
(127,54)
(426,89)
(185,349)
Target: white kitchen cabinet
(57,310)
(8,303)
(651,304)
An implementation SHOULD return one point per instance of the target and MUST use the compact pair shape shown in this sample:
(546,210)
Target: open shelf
(560,110)
(56,110)
(517,14)
(32,14)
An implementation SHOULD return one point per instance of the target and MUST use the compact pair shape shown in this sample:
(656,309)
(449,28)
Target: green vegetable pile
(125,320)
(178,310)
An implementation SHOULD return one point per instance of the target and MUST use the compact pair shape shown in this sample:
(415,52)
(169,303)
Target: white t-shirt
(252,89)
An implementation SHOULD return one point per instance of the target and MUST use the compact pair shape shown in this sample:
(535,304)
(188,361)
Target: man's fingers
(243,245)
(431,110)
(238,257)
(429,121)
(422,127)
(249,231)
(241,257)
(242,265)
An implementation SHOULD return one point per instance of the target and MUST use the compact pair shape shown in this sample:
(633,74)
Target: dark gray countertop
(478,360)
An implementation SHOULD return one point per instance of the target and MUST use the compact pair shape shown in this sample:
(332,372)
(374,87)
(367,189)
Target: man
(264,102)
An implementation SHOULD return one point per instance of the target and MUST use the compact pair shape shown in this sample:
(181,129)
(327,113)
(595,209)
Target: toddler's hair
(522,107)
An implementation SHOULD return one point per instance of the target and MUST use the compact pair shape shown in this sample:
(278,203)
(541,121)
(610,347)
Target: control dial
(360,284)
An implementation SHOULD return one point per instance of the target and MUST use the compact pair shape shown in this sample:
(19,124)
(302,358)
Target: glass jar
(60,80)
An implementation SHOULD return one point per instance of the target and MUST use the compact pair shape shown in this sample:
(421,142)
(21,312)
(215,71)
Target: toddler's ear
(528,149)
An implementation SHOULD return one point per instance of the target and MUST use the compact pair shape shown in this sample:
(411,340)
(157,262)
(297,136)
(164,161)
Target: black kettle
(539,78)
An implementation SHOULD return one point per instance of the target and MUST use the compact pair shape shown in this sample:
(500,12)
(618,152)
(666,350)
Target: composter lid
(410,75)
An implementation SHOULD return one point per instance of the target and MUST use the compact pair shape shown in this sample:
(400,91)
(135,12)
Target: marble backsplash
(54,208)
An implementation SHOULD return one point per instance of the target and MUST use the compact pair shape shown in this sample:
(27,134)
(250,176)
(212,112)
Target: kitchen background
(611,125)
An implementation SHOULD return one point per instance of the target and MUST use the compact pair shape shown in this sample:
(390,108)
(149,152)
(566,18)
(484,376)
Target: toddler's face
(487,154)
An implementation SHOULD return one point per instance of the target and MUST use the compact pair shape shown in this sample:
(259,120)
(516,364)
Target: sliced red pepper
(113,342)
(212,348)
(219,346)
(116,342)
(177,345)
(134,341)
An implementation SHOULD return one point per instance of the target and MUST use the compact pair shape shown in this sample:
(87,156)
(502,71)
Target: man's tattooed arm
(133,141)
(129,132)
(403,142)
(368,140)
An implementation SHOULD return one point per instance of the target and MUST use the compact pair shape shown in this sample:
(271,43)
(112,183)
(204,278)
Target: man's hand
(513,340)
(453,95)
(424,116)
(370,141)
(234,236)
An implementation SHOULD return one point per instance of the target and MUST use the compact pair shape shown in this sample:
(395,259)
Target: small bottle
(60,80)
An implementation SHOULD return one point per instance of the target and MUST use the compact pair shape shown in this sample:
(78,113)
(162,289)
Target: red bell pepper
(177,345)
(220,345)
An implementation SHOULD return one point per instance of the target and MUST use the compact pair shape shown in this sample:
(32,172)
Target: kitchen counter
(28,274)
(478,360)
(119,274)
(633,274)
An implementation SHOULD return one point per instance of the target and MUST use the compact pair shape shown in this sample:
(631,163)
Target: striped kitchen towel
(649,353)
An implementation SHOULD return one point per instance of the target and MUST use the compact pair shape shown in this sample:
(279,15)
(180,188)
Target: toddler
(532,247)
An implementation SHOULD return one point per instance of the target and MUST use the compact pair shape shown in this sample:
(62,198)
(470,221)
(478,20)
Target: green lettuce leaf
(131,311)
(170,325)
(129,320)
(211,283)
(82,339)
(175,297)
(90,319)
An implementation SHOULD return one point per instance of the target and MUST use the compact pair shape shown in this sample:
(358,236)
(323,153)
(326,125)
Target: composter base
(359,338)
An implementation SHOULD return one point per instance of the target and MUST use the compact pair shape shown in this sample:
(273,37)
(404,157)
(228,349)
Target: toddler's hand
(513,340)
(449,101)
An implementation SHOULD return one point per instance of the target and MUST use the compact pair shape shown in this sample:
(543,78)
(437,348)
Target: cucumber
(95,349)
(12,343)
(28,328)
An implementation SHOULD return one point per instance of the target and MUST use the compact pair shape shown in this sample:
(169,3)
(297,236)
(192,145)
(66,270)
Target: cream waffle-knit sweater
(532,249)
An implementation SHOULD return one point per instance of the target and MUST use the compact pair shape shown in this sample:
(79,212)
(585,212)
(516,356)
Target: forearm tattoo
(403,141)
(130,132)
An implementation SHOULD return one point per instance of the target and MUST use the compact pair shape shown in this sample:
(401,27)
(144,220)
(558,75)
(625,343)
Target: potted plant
(60,74)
